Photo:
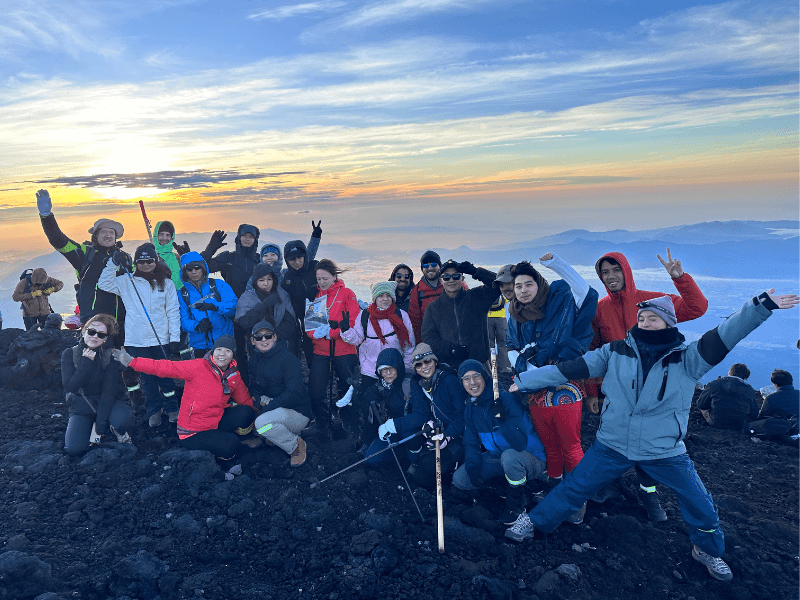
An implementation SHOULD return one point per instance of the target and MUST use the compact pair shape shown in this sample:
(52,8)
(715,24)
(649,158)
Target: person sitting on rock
(729,402)
(33,292)
(504,428)
(785,400)
(276,384)
(93,384)
(650,377)
(216,409)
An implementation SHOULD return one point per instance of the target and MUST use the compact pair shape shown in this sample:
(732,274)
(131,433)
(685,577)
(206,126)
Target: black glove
(217,241)
(206,306)
(429,429)
(174,347)
(317,231)
(182,249)
(467,268)
(122,259)
(475,478)
(204,326)
(344,323)
(528,352)
(270,300)
(498,410)
(459,353)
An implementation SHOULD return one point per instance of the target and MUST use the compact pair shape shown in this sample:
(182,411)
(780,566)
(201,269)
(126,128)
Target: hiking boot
(515,504)
(717,567)
(612,490)
(576,518)
(552,482)
(299,455)
(253,442)
(172,416)
(652,505)
(155,419)
(521,530)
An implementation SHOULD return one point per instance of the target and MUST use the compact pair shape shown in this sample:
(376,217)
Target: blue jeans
(601,465)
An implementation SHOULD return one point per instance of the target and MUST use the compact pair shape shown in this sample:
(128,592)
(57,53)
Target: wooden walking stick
(146,222)
(439,506)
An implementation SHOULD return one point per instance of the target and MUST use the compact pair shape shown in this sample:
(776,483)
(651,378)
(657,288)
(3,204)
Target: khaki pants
(281,427)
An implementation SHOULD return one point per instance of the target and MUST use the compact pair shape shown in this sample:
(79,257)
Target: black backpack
(26,275)
(365,319)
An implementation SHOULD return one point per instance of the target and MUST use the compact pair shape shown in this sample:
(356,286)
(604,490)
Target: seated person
(216,409)
(785,400)
(729,402)
(276,383)
(390,417)
(512,447)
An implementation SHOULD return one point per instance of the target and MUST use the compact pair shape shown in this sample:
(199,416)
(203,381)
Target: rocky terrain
(151,520)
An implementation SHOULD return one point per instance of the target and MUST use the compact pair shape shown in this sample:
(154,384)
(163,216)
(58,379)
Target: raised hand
(181,249)
(317,229)
(44,203)
(546,257)
(217,241)
(783,300)
(122,357)
(344,323)
(672,265)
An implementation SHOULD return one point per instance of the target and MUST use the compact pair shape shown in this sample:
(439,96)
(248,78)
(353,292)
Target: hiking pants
(518,468)
(559,428)
(281,426)
(159,392)
(225,441)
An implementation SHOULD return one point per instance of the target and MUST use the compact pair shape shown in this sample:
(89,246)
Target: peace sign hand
(672,265)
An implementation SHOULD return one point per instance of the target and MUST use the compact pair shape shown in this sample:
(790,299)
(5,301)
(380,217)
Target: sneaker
(299,455)
(521,530)
(717,567)
(155,419)
(651,504)
(172,416)
(576,518)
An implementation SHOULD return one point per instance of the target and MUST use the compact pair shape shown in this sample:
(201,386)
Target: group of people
(414,361)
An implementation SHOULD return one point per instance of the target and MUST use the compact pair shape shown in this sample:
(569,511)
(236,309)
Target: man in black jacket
(729,402)
(300,279)
(455,324)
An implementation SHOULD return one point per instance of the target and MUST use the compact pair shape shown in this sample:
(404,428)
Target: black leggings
(224,442)
(425,469)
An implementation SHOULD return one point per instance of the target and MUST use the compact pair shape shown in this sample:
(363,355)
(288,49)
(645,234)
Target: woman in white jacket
(150,298)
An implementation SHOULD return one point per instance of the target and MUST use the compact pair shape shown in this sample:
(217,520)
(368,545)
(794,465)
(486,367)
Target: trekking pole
(496,403)
(153,327)
(146,222)
(393,445)
(403,473)
(439,506)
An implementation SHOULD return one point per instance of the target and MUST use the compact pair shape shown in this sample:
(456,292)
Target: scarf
(531,311)
(652,345)
(389,313)
(224,375)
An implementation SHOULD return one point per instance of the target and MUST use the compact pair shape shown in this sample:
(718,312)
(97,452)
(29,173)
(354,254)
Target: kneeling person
(512,447)
(276,382)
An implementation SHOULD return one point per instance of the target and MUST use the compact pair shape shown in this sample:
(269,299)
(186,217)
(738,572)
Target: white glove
(321,331)
(345,400)
(122,438)
(513,355)
(385,429)
(44,203)
(122,357)
(265,400)
(94,437)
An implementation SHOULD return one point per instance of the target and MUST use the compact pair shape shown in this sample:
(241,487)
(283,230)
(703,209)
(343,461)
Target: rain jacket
(190,317)
(370,345)
(40,305)
(420,297)
(445,401)
(236,267)
(249,309)
(301,283)
(276,373)
(646,417)
(340,299)
(167,254)
(92,386)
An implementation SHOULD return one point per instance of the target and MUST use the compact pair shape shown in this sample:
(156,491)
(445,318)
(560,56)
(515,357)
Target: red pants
(559,428)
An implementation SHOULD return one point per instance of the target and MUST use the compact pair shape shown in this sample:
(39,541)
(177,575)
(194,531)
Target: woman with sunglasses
(438,387)
(93,385)
(276,385)
(152,321)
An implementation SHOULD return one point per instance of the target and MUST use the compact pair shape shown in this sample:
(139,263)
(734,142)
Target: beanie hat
(294,249)
(166,226)
(430,257)
(269,248)
(225,341)
(384,287)
(503,275)
(146,252)
(261,270)
(107,223)
(423,351)
(262,325)
(471,365)
(661,307)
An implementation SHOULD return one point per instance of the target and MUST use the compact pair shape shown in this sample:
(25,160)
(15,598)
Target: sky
(469,122)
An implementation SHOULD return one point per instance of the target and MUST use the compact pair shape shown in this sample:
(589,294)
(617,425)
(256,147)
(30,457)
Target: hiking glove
(217,241)
(265,400)
(317,229)
(44,203)
(50,290)
(467,268)
(385,430)
(122,259)
(345,400)
(321,331)
(204,326)
(344,324)
(174,347)
(182,249)
(270,300)
(429,429)
(443,439)
(36,293)
(122,357)
(528,352)
(206,306)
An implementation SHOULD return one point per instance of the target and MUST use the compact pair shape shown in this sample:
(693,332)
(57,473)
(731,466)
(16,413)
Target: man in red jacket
(616,314)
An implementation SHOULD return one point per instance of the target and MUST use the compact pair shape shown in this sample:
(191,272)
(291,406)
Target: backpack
(212,286)
(365,319)
(26,275)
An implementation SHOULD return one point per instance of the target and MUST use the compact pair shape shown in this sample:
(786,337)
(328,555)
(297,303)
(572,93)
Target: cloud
(164,180)
(292,10)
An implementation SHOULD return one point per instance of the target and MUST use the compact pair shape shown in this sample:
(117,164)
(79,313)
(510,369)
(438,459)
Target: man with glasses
(404,278)
(455,323)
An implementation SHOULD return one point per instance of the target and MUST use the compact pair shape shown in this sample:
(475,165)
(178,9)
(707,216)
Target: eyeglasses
(97,334)
(402,276)
(145,261)
(471,378)
(449,276)
(266,336)
(194,268)
(429,265)
(424,361)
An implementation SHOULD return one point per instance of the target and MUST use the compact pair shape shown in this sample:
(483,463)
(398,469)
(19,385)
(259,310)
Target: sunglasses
(266,336)
(429,265)
(401,276)
(449,276)
(424,361)
(97,334)
(145,261)
(194,268)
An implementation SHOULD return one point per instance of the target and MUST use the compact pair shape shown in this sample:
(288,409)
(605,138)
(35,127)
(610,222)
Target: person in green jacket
(166,248)
(649,380)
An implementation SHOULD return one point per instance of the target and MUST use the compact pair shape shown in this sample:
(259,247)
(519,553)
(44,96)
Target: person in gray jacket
(649,380)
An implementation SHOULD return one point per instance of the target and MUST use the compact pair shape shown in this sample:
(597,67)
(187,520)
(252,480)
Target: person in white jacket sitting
(152,321)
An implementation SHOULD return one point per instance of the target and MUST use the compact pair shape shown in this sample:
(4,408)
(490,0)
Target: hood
(270,247)
(245,228)
(191,257)
(168,226)
(473,365)
(410,270)
(630,284)
(39,276)
(392,358)
(293,249)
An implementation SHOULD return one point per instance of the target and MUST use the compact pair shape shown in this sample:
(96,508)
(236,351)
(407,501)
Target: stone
(498,589)
(23,575)
(384,560)
(151,492)
(571,571)
(187,524)
(477,538)
(546,582)
(382,523)
(363,543)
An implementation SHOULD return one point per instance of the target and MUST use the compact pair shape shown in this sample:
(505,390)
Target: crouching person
(93,384)
(216,410)
(506,432)
(649,380)
(276,383)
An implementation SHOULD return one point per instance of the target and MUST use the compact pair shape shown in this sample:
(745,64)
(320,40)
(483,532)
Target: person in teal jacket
(163,240)
(649,380)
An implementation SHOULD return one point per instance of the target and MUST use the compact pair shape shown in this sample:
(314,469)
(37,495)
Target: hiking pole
(146,222)
(403,473)
(153,327)
(393,445)
(439,507)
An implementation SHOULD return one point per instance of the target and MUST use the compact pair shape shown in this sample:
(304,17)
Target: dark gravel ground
(152,520)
